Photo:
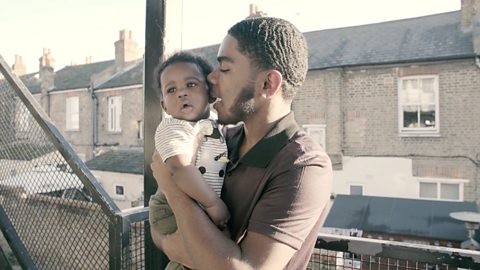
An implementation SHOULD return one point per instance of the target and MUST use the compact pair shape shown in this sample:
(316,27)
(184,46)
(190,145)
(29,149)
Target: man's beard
(243,106)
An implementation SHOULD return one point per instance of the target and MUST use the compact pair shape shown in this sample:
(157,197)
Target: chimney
(19,67)
(47,77)
(125,49)
(255,13)
(471,21)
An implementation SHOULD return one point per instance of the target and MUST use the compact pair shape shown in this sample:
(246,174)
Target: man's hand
(161,173)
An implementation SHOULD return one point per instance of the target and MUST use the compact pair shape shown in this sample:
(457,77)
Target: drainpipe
(94,97)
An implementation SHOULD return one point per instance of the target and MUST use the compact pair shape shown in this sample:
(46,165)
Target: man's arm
(206,245)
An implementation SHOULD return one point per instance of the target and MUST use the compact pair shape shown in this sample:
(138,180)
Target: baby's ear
(163,105)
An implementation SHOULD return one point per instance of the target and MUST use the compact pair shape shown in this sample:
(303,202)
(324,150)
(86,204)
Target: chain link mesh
(49,207)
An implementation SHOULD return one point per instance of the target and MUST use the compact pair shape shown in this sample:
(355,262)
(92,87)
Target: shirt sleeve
(291,205)
(174,137)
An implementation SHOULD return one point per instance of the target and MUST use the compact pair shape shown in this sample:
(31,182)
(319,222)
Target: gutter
(94,97)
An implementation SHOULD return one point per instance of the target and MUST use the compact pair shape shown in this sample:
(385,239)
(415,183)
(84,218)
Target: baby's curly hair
(274,43)
(182,57)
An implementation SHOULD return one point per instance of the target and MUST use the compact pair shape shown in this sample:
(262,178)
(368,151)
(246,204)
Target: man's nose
(212,78)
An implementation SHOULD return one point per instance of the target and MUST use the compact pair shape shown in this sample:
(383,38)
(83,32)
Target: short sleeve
(174,137)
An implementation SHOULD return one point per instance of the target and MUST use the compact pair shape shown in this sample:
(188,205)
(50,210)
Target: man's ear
(272,83)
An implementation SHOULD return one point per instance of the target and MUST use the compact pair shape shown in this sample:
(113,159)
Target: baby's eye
(191,84)
(171,90)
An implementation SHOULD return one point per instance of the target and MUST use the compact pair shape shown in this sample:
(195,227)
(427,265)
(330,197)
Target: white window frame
(320,129)
(439,182)
(356,185)
(403,100)
(72,113)
(114,114)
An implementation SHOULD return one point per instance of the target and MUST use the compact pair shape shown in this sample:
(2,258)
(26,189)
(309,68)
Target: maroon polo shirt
(276,188)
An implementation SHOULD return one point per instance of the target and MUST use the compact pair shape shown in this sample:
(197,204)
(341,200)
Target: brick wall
(359,105)
(132,112)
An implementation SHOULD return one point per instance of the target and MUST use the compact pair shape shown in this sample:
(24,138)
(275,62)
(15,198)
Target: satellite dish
(472,223)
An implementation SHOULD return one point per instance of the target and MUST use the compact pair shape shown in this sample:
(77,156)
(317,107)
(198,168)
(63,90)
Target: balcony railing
(72,223)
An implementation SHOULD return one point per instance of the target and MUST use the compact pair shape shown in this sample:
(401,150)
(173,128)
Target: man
(278,181)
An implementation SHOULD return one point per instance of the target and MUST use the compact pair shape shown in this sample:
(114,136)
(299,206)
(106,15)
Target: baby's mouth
(186,108)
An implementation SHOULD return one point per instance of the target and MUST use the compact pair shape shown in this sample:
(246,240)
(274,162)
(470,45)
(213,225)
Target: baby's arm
(190,180)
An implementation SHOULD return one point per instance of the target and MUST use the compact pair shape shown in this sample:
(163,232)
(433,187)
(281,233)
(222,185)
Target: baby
(184,95)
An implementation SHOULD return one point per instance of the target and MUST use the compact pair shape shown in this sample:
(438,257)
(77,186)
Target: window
(418,105)
(140,129)
(114,113)
(356,190)
(448,189)
(119,190)
(317,133)
(72,114)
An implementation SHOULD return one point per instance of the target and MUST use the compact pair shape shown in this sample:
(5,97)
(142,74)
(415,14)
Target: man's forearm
(207,246)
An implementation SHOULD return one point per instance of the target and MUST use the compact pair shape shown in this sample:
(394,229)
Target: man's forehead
(228,50)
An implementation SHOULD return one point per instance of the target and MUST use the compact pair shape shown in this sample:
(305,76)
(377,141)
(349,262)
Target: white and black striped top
(174,137)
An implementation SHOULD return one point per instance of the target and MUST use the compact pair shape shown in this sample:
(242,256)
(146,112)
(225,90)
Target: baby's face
(185,94)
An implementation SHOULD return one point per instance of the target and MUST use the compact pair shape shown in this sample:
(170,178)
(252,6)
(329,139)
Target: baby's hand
(218,213)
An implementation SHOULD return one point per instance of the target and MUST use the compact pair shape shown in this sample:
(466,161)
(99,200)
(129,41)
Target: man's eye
(191,84)
(223,70)
(171,90)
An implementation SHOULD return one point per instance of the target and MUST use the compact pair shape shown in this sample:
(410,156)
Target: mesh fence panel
(61,215)
(47,204)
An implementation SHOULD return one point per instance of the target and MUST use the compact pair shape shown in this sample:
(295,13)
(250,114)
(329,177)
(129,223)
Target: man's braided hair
(273,43)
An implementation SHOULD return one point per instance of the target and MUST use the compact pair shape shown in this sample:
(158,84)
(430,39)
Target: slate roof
(121,161)
(132,76)
(431,37)
(78,76)
(395,216)
(32,82)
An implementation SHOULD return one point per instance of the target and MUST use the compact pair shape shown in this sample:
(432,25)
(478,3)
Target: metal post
(154,48)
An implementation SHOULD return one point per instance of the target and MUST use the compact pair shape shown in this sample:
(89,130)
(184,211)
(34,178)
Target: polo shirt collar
(263,152)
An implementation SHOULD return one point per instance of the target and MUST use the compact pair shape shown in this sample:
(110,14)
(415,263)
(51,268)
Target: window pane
(356,190)
(428,190)
(427,116)
(410,116)
(450,191)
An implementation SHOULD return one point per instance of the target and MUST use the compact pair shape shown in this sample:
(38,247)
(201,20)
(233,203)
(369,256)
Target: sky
(76,29)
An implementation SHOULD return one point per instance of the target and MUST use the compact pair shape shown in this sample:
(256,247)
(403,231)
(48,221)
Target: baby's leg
(161,216)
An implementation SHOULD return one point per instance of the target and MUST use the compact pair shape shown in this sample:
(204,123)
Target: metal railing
(55,214)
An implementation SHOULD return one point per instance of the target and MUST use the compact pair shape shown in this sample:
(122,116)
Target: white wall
(133,186)
(386,177)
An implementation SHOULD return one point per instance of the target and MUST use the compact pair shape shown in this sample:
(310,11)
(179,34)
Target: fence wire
(60,213)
